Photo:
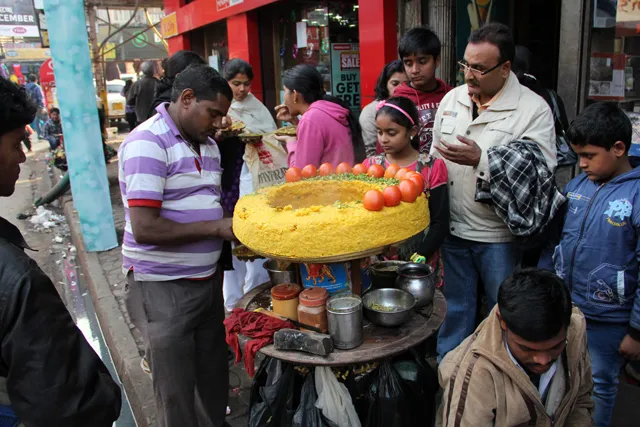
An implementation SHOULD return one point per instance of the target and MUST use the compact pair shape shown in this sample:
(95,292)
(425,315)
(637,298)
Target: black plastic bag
(402,393)
(388,405)
(421,385)
(307,415)
(272,395)
(358,386)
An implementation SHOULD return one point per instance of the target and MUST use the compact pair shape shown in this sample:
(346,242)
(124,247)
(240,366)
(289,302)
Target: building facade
(577,46)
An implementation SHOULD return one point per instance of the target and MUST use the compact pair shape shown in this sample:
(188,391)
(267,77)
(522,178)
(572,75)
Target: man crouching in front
(526,364)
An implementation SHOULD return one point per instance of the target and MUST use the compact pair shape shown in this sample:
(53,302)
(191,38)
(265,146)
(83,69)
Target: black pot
(384,274)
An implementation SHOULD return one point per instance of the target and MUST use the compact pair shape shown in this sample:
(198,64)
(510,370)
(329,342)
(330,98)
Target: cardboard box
(336,278)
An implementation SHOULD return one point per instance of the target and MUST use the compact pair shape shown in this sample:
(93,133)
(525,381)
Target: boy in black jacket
(49,372)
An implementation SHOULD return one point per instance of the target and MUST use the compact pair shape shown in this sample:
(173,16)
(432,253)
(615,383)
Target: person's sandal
(144,365)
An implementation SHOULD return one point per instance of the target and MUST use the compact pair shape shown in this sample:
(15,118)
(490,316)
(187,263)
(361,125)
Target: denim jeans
(604,341)
(465,263)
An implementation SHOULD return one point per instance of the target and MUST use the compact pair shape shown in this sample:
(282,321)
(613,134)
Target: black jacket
(54,378)
(141,96)
(162,95)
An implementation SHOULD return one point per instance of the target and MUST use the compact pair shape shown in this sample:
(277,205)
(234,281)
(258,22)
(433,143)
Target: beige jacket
(518,113)
(484,387)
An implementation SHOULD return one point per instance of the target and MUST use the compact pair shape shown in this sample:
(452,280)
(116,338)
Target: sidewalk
(106,283)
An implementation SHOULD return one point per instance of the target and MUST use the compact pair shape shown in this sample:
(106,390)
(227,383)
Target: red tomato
(376,171)
(309,171)
(359,169)
(373,200)
(391,171)
(417,179)
(325,169)
(343,167)
(293,174)
(392,196)
(409,191)
(401,173)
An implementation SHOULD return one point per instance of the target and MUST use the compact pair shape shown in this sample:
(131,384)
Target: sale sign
(345,73)
(225,4)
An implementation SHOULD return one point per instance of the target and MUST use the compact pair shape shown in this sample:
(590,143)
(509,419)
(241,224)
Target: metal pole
(82,139)
(155,30)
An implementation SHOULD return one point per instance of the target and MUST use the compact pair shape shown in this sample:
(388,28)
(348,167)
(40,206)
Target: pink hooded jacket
(323,137)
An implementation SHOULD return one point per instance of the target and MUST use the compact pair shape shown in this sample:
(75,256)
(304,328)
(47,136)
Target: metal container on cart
(344,317)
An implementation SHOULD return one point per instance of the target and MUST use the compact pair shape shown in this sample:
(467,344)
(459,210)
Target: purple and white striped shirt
(159,169)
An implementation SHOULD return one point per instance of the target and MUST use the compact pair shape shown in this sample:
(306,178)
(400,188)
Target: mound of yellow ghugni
(324,217)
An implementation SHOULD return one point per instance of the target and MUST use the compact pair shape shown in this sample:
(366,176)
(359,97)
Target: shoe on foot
(145,366)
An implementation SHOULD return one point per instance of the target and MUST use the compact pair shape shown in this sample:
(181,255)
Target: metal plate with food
(250,138)
(235,129)
(287,131)
(243,253)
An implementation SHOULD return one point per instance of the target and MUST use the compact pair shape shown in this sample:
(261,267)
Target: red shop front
(267,33)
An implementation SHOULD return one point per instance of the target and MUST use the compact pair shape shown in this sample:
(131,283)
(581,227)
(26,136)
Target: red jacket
(427,103)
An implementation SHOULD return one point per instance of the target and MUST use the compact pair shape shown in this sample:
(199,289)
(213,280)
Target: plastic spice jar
(284,299)
(312,310)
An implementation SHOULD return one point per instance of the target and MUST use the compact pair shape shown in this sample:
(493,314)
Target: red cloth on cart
(257,326)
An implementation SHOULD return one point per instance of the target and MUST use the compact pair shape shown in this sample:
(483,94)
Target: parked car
(116,100)
(133,77)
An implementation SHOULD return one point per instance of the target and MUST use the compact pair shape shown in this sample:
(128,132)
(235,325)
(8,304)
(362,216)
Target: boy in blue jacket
(599,251)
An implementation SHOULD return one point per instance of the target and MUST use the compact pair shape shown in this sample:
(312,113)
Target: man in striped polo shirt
(170,182)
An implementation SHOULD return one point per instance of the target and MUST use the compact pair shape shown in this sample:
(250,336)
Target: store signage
(345,73)
(169,25)
(141,40)
(225,4)
(627,18)
(29,53)
(108,51)
(18,18)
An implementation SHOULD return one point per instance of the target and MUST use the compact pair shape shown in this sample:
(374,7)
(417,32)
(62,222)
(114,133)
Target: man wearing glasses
(491,109)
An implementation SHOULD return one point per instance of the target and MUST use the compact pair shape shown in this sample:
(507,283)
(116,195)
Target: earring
(295,101)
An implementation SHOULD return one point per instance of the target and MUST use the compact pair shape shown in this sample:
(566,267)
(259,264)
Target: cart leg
(356,278)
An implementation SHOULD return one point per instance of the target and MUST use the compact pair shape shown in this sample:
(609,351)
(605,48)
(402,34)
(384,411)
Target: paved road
(32,183)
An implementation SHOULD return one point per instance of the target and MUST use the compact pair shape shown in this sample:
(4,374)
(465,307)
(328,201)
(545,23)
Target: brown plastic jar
(312,310)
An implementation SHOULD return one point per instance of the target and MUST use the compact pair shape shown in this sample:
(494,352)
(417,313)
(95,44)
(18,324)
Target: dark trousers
(181,322)
(131,120)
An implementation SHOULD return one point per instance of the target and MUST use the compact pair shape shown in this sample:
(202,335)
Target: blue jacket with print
(599,252)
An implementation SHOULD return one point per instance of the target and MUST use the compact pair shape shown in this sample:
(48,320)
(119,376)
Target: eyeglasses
(464,66)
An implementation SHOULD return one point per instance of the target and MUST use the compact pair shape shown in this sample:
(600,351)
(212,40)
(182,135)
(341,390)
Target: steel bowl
(384,274)
(402,303)
(278,276)
(419,280)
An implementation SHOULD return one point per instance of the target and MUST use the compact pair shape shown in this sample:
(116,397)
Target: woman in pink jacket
(328,132)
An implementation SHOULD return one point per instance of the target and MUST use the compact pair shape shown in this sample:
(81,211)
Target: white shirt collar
(545,379)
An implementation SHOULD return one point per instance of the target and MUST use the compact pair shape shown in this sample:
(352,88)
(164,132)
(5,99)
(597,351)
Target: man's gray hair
(147,68)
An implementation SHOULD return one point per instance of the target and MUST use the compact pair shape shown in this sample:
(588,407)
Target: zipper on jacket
(575,248)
